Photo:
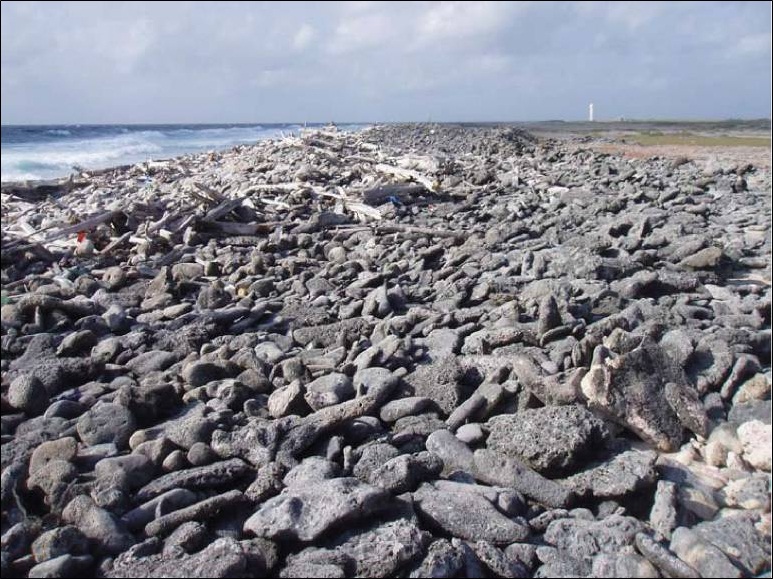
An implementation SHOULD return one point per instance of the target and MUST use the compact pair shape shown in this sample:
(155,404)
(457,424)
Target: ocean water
(50,151)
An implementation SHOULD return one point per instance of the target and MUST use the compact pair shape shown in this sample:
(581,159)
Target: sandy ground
(724,156)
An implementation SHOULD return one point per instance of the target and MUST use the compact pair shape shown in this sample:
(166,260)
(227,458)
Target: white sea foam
(49,158)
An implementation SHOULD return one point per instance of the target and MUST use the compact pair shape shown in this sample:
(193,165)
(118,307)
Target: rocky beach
(408,351)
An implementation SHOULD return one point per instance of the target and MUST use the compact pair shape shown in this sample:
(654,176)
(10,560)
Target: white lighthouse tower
(590,112)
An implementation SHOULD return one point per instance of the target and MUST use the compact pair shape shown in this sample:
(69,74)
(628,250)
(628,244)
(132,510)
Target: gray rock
(470,433)
(748,411)
(377,382)
(663,559)
(707,258)
(371,458)
(678,346)
(269,352)
(630,388)
(125,472)
(77,343)
(61,449)
(67,540)
(700,554)
(255,442)
(452,451)
(709,365)
(466,410)
(337,254)
(107,350)
(549,316)
(525,553)
(201,510)
(757,387)
(626,473)
(467,516)
(311,470)
(329,334)
(28,394)
(175,460)
(417,427)
(62,566)
(443,559)
(377,303)
(328,390)
(209,476)
(396,409)
(738,538)
(685,402)
(663,516)
(31,434)
(53,479)
(559,563)
(222,558)
(439,381)
(497,561)
(201,454)
(300,569)
(201,373)
(696,501)
(442,343)
(171,500)
(213,296)
(751,492)
(15,542)
(64,409)
(549,438)
(189,426)
(584,539)
(187,271)
(307,512)
(152,361)
(189,537)
(117,321)
(405,472)
(287,400)
(99,525)
(267,483)
(382,549)
(497,469)
(106,423)
(155,450)
(623,565)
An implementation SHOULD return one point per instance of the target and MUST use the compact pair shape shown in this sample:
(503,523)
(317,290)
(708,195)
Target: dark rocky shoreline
(422,350)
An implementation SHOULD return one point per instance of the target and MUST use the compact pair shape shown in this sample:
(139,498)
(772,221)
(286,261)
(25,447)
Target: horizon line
(420,122)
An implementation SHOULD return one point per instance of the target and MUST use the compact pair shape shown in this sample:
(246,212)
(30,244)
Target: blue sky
(133,62)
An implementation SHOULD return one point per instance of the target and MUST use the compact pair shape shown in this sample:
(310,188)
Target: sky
(225,62)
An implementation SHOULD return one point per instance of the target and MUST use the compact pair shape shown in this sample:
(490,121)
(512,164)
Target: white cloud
(361,32)
(490,63)
(304,37)
(208,61)
(632,15)
(752,44)
(455,20)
